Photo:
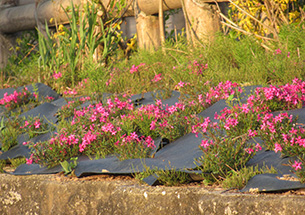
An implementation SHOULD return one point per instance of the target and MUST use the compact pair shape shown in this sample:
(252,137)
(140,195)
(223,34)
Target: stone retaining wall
(52,194)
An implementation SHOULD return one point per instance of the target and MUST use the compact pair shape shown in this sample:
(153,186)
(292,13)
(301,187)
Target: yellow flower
(55,35)
(51,20)
(60,27)
(18,40)
(117,25)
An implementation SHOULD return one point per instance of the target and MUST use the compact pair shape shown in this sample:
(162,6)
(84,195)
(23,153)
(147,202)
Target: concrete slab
(54,194)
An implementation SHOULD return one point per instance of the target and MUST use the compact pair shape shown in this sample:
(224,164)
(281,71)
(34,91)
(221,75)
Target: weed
(69,166)
(239,178)
(172,177)
(17,162)
(2,165)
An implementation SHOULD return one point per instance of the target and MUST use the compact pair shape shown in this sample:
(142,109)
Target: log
(23,17)
(148,30)
(18,18)
(201,19)
(150,7)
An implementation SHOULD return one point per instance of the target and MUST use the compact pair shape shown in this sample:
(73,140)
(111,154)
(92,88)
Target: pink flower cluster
(135,69)
(254,118)
(57,75)
(17,98)
(36,124)
(133,137)
(221,91)
(197,68)
(157,78)
(117,123)
(70,92)
(287,96)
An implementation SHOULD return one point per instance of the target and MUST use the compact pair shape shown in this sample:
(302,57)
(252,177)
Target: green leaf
(2,125)
(230,98)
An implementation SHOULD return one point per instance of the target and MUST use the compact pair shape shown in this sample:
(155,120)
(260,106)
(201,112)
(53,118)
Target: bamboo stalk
(161,22)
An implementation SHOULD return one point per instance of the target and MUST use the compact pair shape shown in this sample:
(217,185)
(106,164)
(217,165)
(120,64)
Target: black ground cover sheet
(179,155)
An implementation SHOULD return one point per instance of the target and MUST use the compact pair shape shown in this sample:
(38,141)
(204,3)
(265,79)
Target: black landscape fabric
(179,155)
(272,183)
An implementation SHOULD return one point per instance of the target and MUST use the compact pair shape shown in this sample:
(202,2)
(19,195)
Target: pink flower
(293,131)
(86,140)
(301,141)
(57,75)
(50,98)
(205,143)
(26,123)
(172,109)
(297,165)
(93,118)
(150,142)
(277,147)
(37,123)
(230,122)
(258,147)
(278,118)
(205,124)
(133,135)
(134,69)
(70,92)
(245,108)
(29,161)
(153,125)
(252,133)
(249,150)
(278,51)
(157,78)
(180,84)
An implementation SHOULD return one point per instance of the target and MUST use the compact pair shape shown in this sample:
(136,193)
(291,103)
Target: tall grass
(242,60)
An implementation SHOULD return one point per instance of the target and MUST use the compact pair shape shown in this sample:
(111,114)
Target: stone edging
(49,194)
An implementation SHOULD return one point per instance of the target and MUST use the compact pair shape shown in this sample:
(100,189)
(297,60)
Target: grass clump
(239,179)
(2,165)
(168,176)
(17,162)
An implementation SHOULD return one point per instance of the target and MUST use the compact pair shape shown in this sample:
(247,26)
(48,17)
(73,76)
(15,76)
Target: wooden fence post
(201,19)
(5,45)
(148,30)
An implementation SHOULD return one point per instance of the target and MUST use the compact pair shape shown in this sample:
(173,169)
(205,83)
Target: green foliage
(35,126)
(17,162)
(24,49)
(69,166)
(239,178)
(132,150)
(75,45)
(2,165)
(223,155)
(9,133)
(172,177)
(168,176)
